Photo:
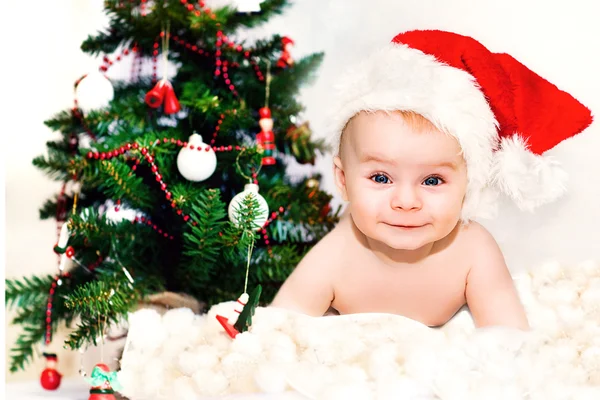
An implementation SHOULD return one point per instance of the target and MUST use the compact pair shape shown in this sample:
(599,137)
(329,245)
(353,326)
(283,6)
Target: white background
(558,40)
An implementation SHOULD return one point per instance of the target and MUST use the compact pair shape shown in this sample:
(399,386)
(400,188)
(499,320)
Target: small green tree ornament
(244,321)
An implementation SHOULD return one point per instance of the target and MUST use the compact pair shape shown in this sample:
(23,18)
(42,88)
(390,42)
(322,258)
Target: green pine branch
(27,290)
(22,352)
(98,304)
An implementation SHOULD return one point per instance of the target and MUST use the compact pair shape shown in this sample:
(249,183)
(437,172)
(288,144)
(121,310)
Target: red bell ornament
(155,96)
(171,105)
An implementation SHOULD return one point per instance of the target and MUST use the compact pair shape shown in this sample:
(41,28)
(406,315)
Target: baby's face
(405,186)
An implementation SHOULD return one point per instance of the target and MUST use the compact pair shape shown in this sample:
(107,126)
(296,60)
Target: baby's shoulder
(475,238)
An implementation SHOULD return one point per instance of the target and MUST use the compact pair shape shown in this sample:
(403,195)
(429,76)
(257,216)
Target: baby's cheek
(446,208)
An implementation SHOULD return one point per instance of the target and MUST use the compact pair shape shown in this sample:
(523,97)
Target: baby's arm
(491,294)
(309,289)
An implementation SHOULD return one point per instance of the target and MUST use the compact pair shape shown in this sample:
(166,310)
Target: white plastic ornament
(250,189)
(63,240)
(248,6)
(198,164)
(94,92)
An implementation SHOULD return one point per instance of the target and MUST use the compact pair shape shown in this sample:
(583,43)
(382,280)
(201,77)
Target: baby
(420,142)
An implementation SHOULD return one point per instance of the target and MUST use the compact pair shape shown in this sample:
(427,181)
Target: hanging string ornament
(94,91)
(286,60)
(240,319)
(104,383)
(265,139)
(163,93)
(197,161)
(50,378)
(234,209)
(250,191)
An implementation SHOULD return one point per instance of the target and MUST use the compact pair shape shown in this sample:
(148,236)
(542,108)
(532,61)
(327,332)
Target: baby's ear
(340,177)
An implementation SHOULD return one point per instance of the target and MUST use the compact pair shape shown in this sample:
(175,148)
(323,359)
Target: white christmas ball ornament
(261,216)
(196,164)
(93,92)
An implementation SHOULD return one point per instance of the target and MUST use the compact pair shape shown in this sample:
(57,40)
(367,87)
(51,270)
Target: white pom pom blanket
(377,356)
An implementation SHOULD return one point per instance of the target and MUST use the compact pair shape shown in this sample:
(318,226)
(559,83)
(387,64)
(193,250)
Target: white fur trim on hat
(529,179)
(398,77)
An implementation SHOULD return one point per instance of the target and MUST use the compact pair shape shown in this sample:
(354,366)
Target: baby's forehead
(369,128)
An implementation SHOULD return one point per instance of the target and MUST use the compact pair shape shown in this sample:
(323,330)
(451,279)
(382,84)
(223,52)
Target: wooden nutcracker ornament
(266,138)
(50,378)
(285,60)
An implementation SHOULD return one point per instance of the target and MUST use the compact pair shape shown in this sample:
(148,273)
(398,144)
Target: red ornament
(264,112)
(70,252)
(163,94)
(285,60)
(266,138)
(171,103)
(50,378)
(325,211)
(154,97)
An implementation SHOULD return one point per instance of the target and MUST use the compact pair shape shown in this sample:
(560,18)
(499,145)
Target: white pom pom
(347,391)
(561,293)
(183,389)
(129,382)
(93,92)
(206,356)
(235,365)
(153,378)
(402,388)
(590,361)
(349,373)
(248,344)
(462,321)
(565,351)
(187,364)
(279,347)
(545,320)
(570,317)
(420,363)
(178,320)
(146,330)
(195,165)
(210,382)
(590,298)
(309,379)
(270,378)
(590,268)
(382,362)
(548,273)
(269,319)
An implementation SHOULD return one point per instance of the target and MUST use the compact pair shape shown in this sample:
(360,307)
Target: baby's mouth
(403,226)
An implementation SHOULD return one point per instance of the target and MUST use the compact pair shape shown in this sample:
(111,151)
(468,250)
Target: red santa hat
(503,115)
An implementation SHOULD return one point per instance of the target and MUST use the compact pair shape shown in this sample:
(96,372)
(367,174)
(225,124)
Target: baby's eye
(433,181)
(380,178)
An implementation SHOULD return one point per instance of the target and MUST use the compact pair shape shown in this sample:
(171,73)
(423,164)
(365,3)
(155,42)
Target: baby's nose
(406,198)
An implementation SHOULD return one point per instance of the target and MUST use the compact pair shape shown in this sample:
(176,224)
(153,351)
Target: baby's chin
(406,244)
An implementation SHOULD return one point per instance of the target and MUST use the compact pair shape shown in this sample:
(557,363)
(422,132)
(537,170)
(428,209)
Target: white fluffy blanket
(378,356)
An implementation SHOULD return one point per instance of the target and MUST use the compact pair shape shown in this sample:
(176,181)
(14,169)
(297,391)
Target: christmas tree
(175,180)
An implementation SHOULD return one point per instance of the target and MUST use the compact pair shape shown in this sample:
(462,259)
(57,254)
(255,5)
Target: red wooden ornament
(50,378)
